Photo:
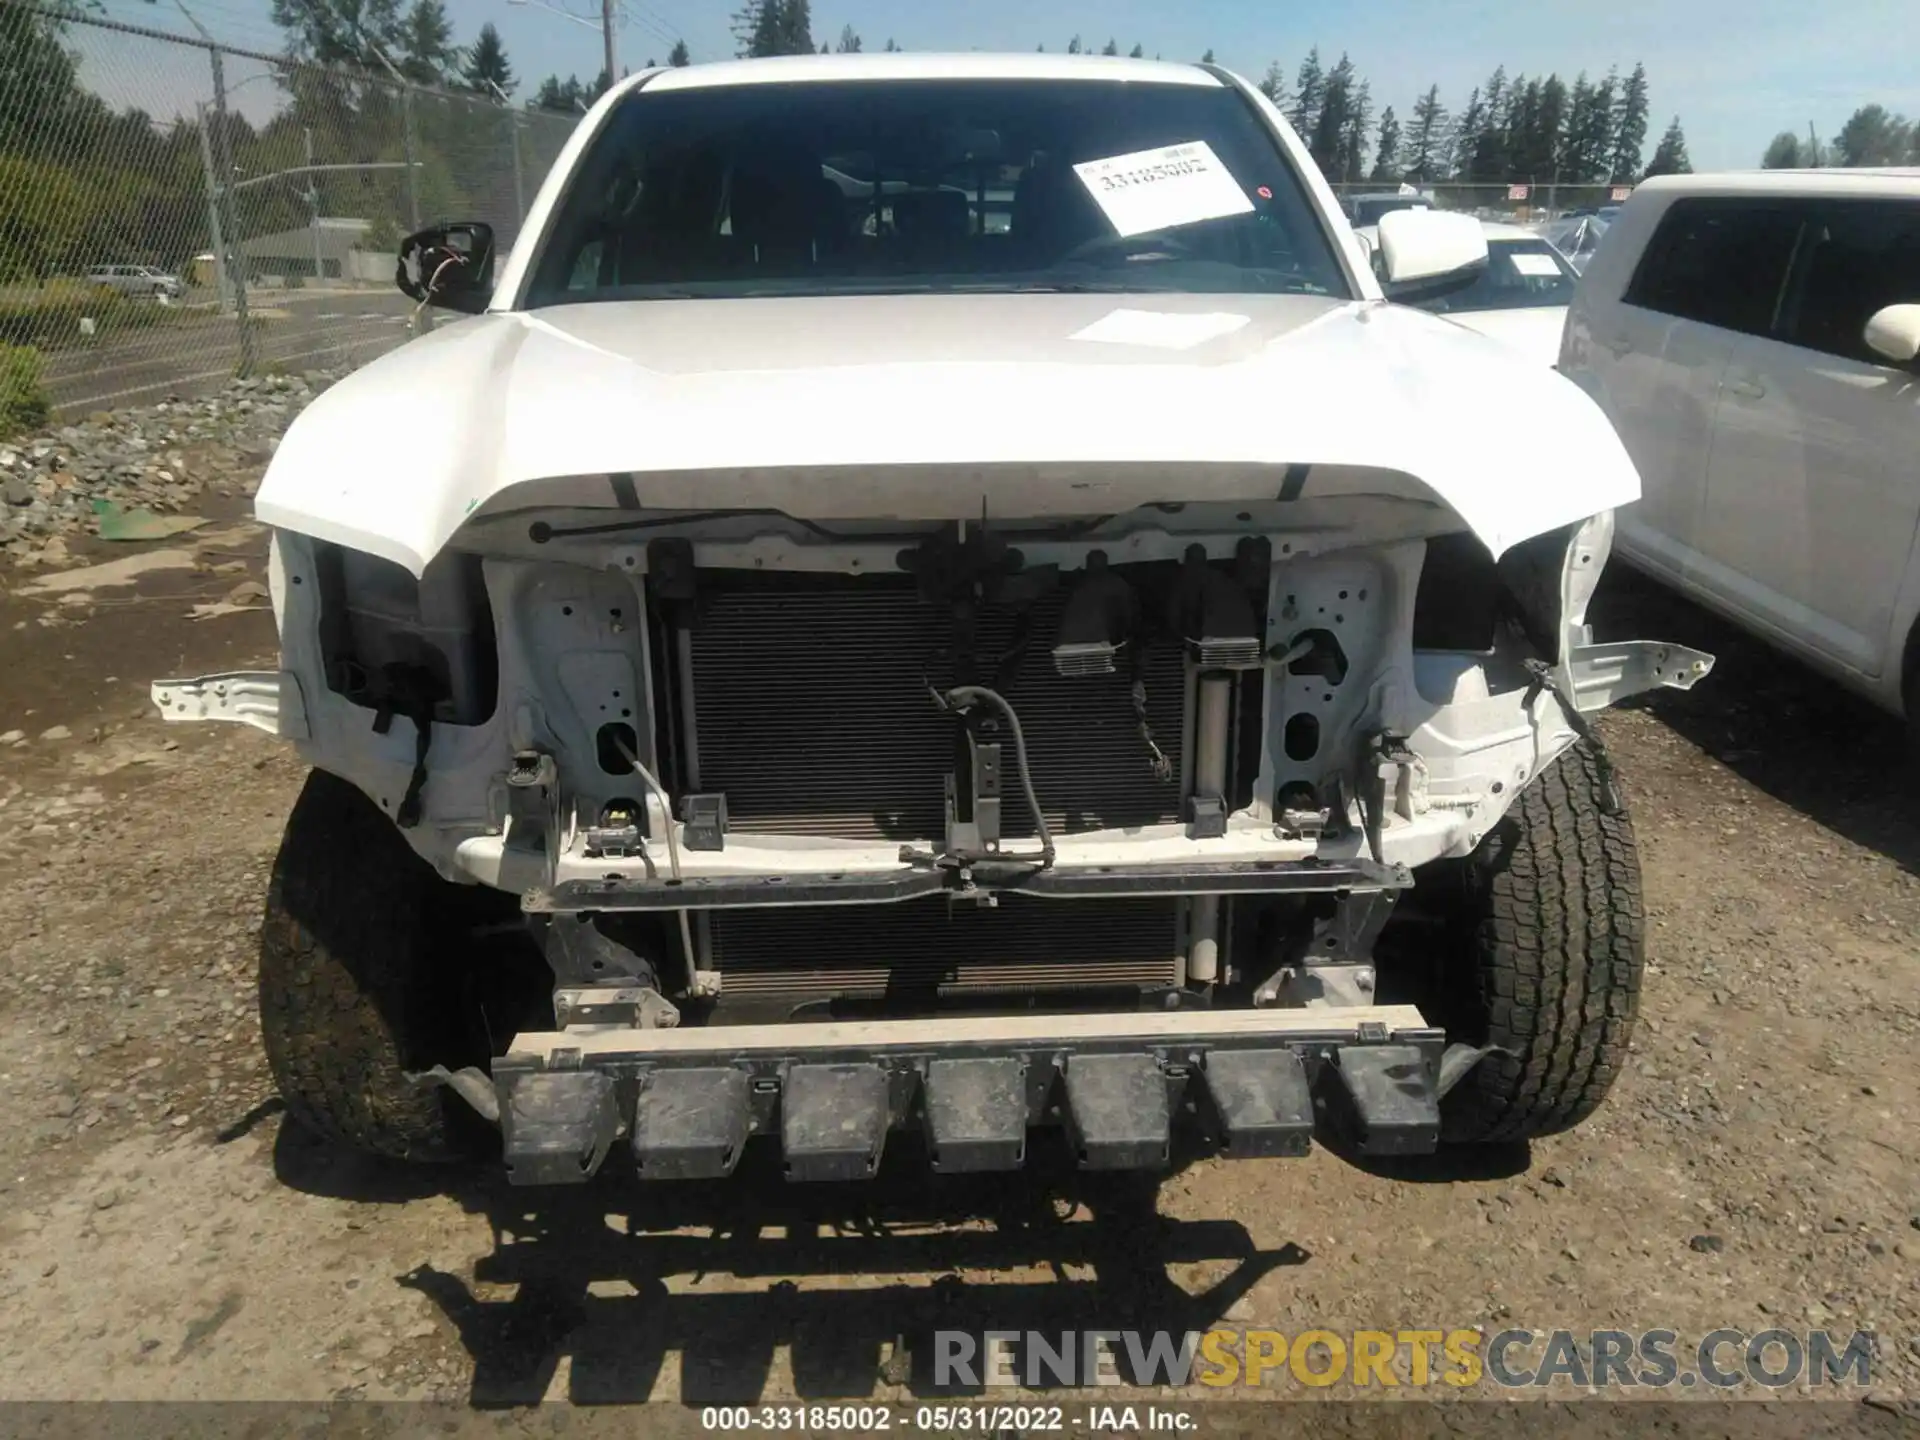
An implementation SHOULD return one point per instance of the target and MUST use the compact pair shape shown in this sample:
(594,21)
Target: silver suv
(141,280)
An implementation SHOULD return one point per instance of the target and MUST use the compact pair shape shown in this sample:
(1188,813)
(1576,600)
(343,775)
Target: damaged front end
(1085,816)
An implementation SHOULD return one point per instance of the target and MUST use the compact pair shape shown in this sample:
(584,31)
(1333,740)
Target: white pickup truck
(946,602)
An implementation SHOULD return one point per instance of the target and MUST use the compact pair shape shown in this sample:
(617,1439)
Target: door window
(1856,258)
(1720,262)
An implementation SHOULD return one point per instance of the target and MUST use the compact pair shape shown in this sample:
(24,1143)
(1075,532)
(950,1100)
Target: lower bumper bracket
(834,1121)
(557,1126)
(1385,1098)
(1117,1111)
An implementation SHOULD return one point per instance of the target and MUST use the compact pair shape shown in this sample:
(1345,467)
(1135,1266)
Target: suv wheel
(1543,954)
(354,989)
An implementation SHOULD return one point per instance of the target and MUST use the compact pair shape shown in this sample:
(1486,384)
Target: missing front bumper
(1252,1082)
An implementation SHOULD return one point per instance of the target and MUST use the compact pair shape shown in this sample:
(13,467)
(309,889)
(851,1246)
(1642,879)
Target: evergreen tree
(1309,94)
(1489,144)
(849,41)
(1274,85)
(487,65)
(1139,52)
(1073,46)
(1630,127)
(1425,151)
(339,32)
(890,48)
(1873,137)
(1353,140)
(1207,59)
(428,55)
(1386,153)
(1551,127)
(1465,140)
(678,56)
(1332,126)
(1110,48)
(1670,155)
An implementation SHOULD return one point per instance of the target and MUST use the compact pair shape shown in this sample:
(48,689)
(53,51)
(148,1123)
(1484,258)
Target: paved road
(299,330)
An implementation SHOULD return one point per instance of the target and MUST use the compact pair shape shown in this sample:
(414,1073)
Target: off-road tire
(1551,945)
(348,999)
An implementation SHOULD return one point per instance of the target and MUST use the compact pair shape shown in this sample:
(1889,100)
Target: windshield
(1577,238)
(1520,275)
(921,186)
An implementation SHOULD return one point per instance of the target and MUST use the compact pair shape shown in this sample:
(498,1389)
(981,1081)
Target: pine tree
(428,55)
(1139,52)
(890,48)
(1207,59)
(1273,85)
(487,68)
(678,56)
(1309,94)
(1630,128)
(1353,140)
(1670,155)
(1552,127)
(1489,152)
(1112,47)
(849,41)
(1332,124)
(1465,141)
(1425,153)
(1386,153)
(1073,46)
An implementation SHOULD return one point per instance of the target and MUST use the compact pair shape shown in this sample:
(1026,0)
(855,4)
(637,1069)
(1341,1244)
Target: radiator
(813,716)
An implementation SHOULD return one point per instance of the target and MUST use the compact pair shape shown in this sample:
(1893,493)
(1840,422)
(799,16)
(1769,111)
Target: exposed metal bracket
(1336,967)
(1604,675)
(635,1005)
(269,700)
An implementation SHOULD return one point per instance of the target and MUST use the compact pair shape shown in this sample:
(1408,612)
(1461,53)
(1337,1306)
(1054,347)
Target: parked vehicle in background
(853,768)
(144,280)
(1753,339)
(1367,209)
(1576,237)
(1520,299)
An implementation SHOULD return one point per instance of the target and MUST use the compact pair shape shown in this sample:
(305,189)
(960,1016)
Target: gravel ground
(165,1236)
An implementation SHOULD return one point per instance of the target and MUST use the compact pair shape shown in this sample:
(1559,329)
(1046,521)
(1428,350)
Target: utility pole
(313,199)
(223,161)
(214,227)
(607,8)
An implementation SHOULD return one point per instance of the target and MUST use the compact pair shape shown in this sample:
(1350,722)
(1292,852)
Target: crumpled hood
(698,400)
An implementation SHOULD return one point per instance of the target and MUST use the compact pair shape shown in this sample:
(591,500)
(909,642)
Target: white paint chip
(1159,330)
(1159,189)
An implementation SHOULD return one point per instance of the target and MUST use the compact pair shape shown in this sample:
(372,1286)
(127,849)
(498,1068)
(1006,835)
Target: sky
(1735,72)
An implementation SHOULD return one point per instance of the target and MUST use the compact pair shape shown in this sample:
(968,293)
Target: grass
(23,404)
(48,316)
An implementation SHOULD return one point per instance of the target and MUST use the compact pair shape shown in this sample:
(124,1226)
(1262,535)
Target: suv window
(916,186)
(1720,262)
(1856,258)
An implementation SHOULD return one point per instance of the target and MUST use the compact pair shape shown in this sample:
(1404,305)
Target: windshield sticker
(1158,330)
(1159,189)
(1537,266)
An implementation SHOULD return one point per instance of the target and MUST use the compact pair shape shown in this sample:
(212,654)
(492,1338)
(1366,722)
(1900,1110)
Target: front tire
(352,996)
(1549,946)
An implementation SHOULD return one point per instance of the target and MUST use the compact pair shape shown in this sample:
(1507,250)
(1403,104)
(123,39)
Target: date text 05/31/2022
(985,1419)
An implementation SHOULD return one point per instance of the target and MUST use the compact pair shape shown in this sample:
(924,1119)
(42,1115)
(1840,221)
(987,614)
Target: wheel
(354,989)
(1547,944)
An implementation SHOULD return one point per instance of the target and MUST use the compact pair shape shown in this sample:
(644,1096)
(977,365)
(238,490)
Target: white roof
(1901,180)
(797,69)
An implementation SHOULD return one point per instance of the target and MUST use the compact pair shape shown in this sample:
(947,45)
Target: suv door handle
(1747,387)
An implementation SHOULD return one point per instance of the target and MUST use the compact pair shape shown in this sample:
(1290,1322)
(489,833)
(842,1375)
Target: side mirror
(1428,253)
(1894,333)
(448,265)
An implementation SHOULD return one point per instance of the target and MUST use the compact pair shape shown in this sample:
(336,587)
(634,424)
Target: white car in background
(1519,299)
(1753,339)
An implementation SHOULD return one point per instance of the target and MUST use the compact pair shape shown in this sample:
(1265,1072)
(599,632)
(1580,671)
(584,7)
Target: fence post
(215,231)
(406,129)
(223,191)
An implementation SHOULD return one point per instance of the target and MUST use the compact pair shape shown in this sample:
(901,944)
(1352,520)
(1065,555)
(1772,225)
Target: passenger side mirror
(1894,333)
(450,266)
(1428,253)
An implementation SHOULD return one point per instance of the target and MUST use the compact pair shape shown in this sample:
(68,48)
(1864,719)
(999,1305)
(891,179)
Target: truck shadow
(692,1289)
(1784,729)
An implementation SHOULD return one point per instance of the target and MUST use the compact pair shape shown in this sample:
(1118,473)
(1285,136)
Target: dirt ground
(163,1235)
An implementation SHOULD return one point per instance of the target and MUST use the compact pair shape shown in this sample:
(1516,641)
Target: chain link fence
(1519,202)
(174,212)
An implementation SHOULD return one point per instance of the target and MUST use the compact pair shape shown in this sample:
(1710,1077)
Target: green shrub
(49,316)
(23,404)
